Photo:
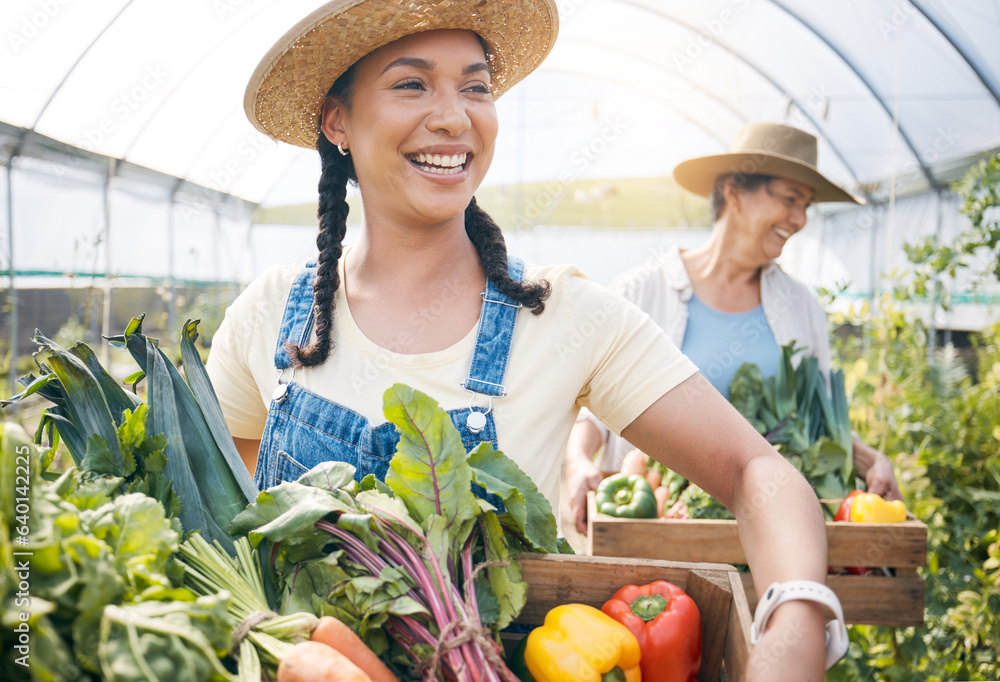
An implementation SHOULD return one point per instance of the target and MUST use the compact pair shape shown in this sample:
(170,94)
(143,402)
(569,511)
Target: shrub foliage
(938,413)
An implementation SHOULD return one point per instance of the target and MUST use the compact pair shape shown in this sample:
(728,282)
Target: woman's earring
(343,152)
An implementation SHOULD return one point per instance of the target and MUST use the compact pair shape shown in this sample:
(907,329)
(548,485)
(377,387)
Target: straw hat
(767,149)
(286,91)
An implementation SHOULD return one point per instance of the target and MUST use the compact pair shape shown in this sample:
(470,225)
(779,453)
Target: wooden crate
(872,600)
(555,579)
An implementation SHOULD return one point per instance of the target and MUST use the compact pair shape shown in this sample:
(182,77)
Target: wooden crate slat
(738,639)
(711,597)
(901,545)
(869,600)
(694,540)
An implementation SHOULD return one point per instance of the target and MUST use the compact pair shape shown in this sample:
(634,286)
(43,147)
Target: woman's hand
(582,475)
(877,471)
(881,479)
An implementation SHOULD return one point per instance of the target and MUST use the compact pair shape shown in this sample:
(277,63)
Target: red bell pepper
(844,514)
(844,510)
(667,624)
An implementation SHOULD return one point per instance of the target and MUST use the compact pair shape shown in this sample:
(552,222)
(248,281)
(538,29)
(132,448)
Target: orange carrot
(662,495)
(317,662)
(635,462)
(336,634)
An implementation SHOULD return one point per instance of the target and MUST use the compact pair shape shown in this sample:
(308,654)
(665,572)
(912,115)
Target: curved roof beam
(987,81)
(805,112)
(79,59)
(196,67)
(878,97)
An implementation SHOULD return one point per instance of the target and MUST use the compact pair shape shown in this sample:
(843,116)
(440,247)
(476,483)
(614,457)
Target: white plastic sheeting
(890,86)
(901,94)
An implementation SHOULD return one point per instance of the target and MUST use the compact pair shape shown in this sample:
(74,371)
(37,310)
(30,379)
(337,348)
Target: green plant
(940,423)
(979,191)
(941,418)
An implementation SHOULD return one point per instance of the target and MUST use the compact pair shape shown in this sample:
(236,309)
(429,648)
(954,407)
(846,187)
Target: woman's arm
(248,450)
(696,432)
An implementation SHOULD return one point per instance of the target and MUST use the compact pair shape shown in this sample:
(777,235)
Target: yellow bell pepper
(579,643)
(870,508)
(865,507)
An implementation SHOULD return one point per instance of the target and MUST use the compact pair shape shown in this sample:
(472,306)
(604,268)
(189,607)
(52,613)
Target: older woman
(727,302)
(397,95)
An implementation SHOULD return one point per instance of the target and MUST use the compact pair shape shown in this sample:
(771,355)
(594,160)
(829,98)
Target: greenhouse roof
(891,88)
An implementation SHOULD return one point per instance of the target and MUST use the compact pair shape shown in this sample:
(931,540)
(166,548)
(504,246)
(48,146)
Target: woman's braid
(489,243)
(333,209)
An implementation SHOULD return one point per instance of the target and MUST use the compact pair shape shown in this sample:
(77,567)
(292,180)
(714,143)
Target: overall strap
(297,320)
(496,330)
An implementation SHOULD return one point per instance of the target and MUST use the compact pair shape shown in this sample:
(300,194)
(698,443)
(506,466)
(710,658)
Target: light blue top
(718,342)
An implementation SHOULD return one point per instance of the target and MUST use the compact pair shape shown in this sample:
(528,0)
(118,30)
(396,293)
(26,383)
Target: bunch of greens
(181,641)
(189,462)
(95,554)
(209,570)
(417,565)
(684,499)
(808,424)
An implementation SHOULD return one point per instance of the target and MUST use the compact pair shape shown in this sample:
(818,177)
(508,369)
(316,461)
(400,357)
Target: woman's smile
(443,164)
(448,164)
(785,235)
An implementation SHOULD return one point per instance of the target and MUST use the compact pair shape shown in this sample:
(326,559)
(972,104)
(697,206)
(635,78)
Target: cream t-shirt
(589,348)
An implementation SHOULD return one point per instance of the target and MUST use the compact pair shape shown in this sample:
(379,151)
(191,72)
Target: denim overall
(304,429)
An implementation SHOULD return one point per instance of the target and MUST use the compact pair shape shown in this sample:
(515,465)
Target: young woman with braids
(429,297)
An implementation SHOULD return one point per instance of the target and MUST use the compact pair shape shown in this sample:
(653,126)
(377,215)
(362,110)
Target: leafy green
(809,424)
(91,546)
(85,405)
(429,471)
(746,391)
(176,449)
(211,478)
(701,505)
(103,534)
(530,513)
(178,641)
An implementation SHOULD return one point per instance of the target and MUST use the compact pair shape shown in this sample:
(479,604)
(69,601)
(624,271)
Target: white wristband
(779,593)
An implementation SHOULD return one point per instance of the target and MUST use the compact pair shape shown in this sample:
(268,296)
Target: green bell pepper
(626,495)
(517,664)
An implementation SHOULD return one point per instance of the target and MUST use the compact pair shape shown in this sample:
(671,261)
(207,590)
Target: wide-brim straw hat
(287,89)
(766,149)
